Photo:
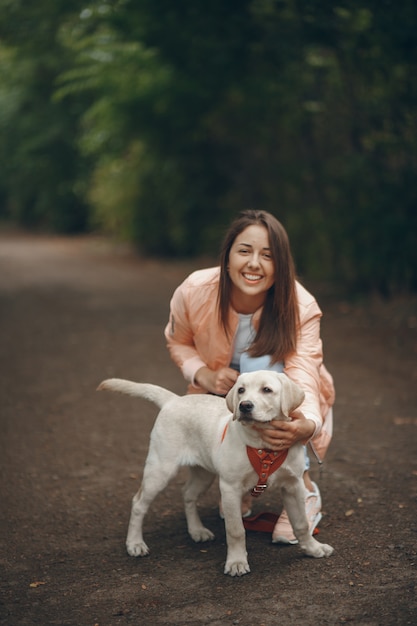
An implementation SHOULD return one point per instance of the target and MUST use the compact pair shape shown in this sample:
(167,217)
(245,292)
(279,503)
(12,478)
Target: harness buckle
(258,489)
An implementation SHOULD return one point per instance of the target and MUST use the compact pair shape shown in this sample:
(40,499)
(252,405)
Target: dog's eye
(241,390)
(267,390)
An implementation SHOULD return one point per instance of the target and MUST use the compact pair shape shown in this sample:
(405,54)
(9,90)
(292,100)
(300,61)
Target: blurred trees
(157,121)
(40,169)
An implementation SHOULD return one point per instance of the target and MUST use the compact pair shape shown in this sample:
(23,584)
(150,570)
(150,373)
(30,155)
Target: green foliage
(157,121)
(41,173)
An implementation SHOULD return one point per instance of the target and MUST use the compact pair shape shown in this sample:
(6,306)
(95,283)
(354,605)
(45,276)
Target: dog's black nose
(246,406)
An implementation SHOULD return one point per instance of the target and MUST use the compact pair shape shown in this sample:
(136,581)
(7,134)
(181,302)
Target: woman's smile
(252,277)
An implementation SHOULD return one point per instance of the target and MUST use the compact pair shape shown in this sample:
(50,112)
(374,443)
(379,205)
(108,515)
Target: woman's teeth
(251,277)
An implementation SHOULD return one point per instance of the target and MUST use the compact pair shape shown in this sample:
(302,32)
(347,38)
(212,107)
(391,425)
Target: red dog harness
(265,462)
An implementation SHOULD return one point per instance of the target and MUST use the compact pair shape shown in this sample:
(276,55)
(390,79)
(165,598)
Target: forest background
(156,121)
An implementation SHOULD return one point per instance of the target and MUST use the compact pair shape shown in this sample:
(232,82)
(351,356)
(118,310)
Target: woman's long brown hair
(278,326)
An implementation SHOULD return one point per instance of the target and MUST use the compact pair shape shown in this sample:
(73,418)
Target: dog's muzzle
(245,411)
(246,406)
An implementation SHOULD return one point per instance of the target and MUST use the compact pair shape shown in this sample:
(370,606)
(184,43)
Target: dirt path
(73,312)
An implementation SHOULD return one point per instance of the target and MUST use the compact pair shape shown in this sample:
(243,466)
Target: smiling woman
(251,314)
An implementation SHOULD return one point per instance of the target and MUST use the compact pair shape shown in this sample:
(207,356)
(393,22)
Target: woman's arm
(180,337)
(303,367)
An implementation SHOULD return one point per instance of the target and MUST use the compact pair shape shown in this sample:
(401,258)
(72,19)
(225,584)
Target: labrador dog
(210,435)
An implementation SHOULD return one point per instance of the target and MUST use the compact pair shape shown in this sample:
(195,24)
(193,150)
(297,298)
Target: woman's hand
(282,435)
(218,382)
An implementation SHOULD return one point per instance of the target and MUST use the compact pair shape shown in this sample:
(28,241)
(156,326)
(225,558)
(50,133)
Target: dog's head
(262,396)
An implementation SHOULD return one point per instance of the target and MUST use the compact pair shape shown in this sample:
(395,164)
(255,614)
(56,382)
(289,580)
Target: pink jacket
(196,339)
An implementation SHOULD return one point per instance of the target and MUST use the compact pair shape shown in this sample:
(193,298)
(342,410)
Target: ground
(76,311)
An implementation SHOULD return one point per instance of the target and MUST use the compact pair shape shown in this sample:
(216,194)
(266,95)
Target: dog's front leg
(293,497)
(236,560)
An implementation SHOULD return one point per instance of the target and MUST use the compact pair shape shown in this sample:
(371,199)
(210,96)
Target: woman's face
(251,269)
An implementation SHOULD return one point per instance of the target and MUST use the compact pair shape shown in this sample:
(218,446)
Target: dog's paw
(137,549)
(319,550)
(201,534)
(327,550)
(237,568)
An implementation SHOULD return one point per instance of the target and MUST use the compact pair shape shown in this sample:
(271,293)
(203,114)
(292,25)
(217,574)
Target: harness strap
(265,462)
(224,432)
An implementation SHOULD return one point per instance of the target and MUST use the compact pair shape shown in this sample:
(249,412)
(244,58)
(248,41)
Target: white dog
(211,434)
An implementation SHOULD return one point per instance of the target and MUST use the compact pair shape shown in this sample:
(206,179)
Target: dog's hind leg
(198,482)
(155,479)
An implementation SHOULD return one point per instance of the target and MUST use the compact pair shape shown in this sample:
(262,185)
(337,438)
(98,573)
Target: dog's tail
(153,393)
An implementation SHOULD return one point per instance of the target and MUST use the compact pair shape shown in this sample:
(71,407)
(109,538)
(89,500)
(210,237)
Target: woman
(251,313)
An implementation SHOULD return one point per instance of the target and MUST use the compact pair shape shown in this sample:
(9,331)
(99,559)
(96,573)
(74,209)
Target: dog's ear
(231,400)
(291,395)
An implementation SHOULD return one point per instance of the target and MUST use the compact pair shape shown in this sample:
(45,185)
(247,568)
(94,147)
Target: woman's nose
(253,260)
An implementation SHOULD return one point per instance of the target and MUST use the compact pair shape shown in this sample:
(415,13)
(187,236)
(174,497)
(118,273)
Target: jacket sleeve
(303,367)
(180,337)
